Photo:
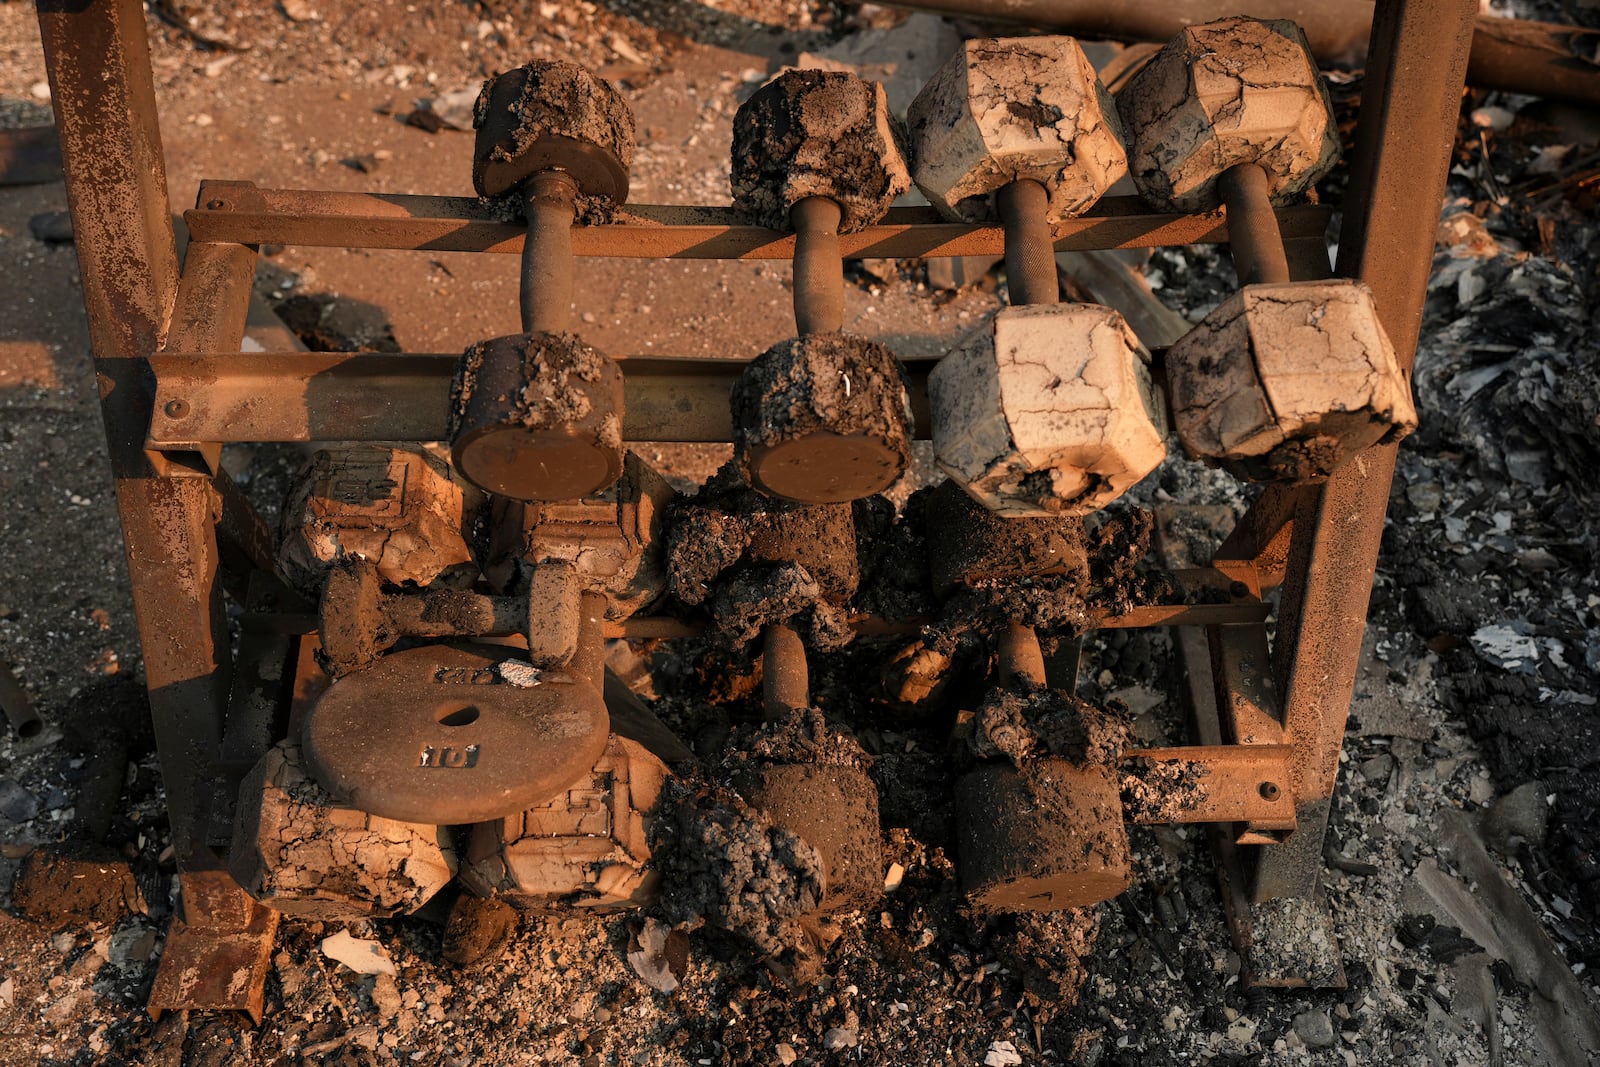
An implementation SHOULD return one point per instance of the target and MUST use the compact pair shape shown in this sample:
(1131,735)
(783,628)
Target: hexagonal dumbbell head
(1287,382)
(817,133)
(1047,410)
(552,115)
(1238,90)
(1015,108)
(822,418)
(300,853)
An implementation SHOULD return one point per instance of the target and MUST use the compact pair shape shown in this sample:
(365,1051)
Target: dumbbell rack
(175,387)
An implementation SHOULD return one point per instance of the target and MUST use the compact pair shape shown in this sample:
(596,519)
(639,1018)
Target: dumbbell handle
(547,260)
(1030,253)
(1253,234)
(1021,658)
(785,676)
(818,266)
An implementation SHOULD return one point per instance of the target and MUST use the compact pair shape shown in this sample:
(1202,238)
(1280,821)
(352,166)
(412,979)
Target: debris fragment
(1002,1054)
(652,952)
(1509,646)
(362,957)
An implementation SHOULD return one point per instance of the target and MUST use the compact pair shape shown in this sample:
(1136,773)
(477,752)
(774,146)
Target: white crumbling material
(361,956)
(299,854)
(1238,90)
(1015,108)
(1286,382)
(400,509)
(585,847)
(1049,409)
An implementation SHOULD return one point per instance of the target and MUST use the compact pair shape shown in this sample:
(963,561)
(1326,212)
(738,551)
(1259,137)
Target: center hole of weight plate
(456,714)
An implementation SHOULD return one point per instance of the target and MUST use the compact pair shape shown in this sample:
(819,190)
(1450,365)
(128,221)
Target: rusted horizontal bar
(298,396)
(245,213)
(1224,783)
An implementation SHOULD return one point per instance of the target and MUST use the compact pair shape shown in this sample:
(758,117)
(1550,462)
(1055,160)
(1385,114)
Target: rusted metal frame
(98,62)
(244,213)
(1404,138)
(218,952)
(281,396)
(210,312)
(1231,783)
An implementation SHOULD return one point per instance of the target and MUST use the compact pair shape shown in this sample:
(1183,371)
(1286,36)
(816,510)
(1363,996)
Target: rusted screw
(176,409)
(1269,791)
(216,205)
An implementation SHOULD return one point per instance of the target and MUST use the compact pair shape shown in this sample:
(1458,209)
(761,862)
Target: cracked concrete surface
(1049,409)
(1288,381)
(1238,90)
(1015,108)
(587,846)
(307,857)
(400,509)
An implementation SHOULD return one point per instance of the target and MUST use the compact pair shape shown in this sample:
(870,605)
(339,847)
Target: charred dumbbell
(780,572)
(831,803)
(1049,408)
(1039,818)
(824,417)
(1285,380)
(361,618)
(538,415)
(1042,831)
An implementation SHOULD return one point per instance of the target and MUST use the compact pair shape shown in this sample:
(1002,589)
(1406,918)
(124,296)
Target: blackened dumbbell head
(968,542)
(552,115)
(1009,109)
(822,418)
(817,133)
(1238,90)
(537,416)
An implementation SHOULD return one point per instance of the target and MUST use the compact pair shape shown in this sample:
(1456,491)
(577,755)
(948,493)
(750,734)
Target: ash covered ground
(1469,765)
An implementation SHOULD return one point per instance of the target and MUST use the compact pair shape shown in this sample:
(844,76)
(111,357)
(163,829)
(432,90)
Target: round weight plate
(433,735)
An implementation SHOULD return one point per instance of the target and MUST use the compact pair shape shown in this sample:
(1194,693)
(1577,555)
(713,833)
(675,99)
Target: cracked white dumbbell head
(1286,382)
(1014,108)
(1049,409)
(1238,90)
